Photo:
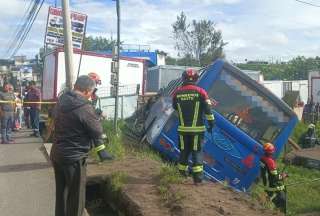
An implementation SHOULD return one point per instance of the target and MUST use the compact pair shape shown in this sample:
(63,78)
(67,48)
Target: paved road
(26,178)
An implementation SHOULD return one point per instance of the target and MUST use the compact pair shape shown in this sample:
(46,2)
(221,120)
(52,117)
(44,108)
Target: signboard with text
(54,33)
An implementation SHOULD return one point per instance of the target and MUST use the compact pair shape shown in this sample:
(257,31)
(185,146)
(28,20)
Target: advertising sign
(54,33)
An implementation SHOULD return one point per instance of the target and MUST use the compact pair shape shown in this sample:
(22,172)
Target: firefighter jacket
(192,102)
(271,179)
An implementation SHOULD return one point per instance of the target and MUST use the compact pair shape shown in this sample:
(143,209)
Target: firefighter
(272,180)
(309,139)
(192,102)
(96,78)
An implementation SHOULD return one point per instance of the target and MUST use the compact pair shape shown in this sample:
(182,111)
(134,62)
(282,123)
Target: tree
(98,43)
(199,41)
(296,69)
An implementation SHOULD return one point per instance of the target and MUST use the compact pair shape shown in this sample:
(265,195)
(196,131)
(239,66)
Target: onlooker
(76,130)
(26,109)
(7,110)
(18,112)
(33,98)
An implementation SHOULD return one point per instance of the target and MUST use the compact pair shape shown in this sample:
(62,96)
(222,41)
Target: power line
(18,35)
(27,31)
(308,3)
(22,19)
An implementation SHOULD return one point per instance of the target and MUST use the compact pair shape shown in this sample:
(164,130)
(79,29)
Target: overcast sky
(254,29)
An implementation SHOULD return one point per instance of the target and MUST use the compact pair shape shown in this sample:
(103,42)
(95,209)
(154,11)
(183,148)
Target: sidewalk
(26,178)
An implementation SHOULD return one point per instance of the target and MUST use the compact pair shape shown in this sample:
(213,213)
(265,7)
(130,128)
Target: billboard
(54,32)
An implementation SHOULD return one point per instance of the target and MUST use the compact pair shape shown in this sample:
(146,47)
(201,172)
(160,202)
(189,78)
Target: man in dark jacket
(33,99)
(77,129)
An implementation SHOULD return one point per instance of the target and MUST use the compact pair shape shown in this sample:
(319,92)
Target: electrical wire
(24,31)
(21,21)
(308,3)
(24,26)
(28,29)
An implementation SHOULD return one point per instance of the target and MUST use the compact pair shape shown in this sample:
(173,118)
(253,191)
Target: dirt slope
(142,188)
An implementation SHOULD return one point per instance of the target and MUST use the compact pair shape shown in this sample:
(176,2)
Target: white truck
(314,86)
(131,78)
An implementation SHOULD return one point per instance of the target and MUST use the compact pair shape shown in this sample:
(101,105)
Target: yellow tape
(35,102)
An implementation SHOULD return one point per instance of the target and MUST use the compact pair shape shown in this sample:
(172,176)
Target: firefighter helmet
(95,77)
(269,148)
(190,75)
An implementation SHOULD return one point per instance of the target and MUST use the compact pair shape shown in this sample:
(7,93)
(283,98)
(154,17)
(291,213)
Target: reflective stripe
(99,148)
(195,115)
(208,101)
(195,143)
(274,189)
(180,115)
(197,169)
(280,188)
(210,117)
(183,167)
(274,172)
(273,196)
(181,142)
(191,129)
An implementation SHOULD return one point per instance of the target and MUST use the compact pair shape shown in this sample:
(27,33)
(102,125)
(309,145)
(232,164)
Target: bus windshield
(245,108)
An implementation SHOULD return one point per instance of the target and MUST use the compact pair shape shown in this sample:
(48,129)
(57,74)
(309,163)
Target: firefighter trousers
(279,199)
(191,144)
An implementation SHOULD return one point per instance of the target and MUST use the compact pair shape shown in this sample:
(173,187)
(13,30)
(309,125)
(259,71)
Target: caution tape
(27,102)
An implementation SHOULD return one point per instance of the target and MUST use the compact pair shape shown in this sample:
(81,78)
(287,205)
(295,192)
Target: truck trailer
(131,78)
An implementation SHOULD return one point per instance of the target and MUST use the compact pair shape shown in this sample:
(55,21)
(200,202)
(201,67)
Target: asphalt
(26,178)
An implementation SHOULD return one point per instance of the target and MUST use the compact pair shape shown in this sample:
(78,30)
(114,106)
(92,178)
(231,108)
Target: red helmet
(95,77)
(269,148)
(190,75)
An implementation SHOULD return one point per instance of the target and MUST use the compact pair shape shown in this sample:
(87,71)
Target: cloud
(253,29)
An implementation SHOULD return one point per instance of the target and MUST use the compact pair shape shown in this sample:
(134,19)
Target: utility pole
(115,125)
(68,49)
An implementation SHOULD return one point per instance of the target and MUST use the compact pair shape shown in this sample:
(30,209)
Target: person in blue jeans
(33,99)
(7,113)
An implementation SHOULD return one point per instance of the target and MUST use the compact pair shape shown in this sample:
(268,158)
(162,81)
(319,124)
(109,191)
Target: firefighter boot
(183,170)
(197,174)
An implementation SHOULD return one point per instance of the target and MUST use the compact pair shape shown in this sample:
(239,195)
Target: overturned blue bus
(247,115)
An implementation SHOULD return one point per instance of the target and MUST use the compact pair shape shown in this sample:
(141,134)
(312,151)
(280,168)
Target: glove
(210,126)
(103,155)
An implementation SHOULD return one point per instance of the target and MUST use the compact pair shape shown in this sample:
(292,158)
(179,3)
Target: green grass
(115,145)
(302,198)
(146,153)
(118,180)
(169,175)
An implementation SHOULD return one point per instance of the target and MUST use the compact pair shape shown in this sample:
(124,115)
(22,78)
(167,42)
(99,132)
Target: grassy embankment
(120,147)
(303,197)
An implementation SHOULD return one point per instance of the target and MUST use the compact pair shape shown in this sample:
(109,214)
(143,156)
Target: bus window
(252,113)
